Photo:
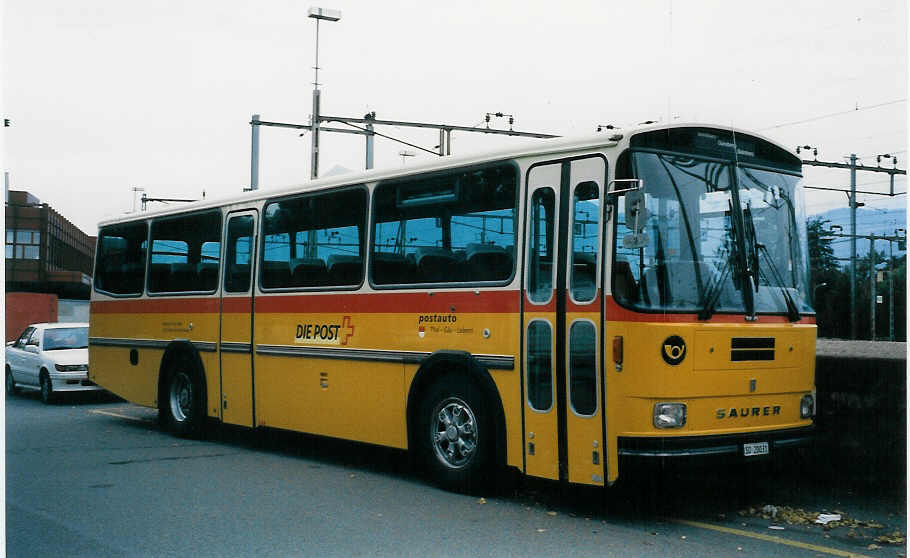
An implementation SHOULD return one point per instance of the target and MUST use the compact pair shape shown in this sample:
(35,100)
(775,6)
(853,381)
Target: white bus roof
(527,148)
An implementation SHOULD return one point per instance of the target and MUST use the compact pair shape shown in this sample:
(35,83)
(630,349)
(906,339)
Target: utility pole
(872,300)
(853,248)
(369,138)
(851,195)
(327,15)
(890,291)
(254,156)
(873,274)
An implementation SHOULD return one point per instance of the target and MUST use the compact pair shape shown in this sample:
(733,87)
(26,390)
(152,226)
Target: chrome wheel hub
(181,397)
(454,433)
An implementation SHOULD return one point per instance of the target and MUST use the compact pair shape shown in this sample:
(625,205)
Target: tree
(828,284)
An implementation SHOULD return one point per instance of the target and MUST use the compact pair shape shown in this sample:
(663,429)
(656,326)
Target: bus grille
(751,348)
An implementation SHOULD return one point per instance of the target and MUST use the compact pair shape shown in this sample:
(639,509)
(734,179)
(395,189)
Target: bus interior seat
(275,274)
(308,272)
(390,268)
(624,285)
(436,264)
(208,275)
(183,278)
(344,269)
(584,272)
(238,277)
(681,288)
(159,280)
(488,262)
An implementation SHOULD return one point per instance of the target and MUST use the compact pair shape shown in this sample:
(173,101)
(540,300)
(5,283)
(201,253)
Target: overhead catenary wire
(823,116)
(393,139)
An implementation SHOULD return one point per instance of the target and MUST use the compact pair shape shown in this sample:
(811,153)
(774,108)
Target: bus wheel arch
(459,382)
(182,391)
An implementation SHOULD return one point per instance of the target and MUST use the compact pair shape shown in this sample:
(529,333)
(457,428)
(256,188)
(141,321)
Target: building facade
(46,254)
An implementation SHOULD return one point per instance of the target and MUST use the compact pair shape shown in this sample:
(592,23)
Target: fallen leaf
(551,513)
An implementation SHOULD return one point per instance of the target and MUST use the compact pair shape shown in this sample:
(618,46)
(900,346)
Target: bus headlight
(669,415)
(807,406)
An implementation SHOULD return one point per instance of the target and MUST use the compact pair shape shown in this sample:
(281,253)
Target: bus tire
(47,388)
(455,434)
(181,408)
(11,387)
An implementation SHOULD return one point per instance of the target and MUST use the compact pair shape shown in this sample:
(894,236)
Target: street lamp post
(327,15)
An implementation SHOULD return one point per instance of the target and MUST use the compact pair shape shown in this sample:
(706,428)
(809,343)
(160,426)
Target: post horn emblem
(673,350)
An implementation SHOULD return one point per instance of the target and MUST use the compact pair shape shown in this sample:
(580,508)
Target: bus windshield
(716,237)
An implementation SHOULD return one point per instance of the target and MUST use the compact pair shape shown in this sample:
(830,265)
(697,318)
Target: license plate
(758,448)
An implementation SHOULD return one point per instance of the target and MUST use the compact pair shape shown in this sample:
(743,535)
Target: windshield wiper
(755,248)
(752,245)
(792,310)
(713,290)
(731,265)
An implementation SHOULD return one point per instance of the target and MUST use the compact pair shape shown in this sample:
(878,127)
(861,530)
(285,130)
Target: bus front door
(236,346)
(563,379)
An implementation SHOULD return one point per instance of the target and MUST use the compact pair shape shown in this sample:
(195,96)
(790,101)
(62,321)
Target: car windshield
(65,338)
(712,236)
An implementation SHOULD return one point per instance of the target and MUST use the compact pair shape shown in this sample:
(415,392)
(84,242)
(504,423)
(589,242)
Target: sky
(109,95)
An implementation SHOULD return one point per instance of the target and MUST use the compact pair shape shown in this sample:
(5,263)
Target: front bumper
(720,446)
(72,381)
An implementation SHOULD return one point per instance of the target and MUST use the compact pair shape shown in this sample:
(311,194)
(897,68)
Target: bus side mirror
(636,212)
(636,218)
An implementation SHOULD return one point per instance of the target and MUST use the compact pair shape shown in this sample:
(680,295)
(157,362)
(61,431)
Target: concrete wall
(862,406)
(28,308)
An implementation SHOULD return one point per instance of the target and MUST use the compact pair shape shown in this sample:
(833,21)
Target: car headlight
(669,415)
(807,406)
(71,367)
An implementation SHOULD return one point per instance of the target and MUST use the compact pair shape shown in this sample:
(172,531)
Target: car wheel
(47,389)
(11,387)
(182,409)
(455,434)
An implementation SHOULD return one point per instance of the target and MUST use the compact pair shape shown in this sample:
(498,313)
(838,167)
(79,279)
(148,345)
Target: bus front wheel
(455,434)
(181,407)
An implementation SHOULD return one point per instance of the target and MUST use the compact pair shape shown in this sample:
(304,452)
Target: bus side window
(314,240)
(120,267)
(239,250)
(585,236)
(186,251)
(540,261)
(448,227)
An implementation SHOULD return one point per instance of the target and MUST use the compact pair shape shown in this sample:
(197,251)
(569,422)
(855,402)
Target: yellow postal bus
(555,308)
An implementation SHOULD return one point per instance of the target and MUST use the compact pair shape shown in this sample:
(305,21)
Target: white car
(52,358)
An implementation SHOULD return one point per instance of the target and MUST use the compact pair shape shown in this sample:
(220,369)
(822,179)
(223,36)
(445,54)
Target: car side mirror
(32,348)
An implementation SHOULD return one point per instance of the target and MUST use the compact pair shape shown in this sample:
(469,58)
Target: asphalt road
(93,476)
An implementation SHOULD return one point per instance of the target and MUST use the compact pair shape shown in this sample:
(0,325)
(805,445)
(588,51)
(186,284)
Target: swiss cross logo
(347,330)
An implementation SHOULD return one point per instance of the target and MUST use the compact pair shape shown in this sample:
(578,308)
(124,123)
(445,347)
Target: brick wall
(28,308)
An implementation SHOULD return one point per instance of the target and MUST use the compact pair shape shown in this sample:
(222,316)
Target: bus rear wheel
(181,405)
(455,434)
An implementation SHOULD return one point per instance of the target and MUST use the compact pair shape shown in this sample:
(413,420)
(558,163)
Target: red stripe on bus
(493,302)
(236,305)
(439,302)
(181,305)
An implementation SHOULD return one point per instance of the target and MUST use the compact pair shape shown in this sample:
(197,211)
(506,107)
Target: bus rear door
(236,344)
